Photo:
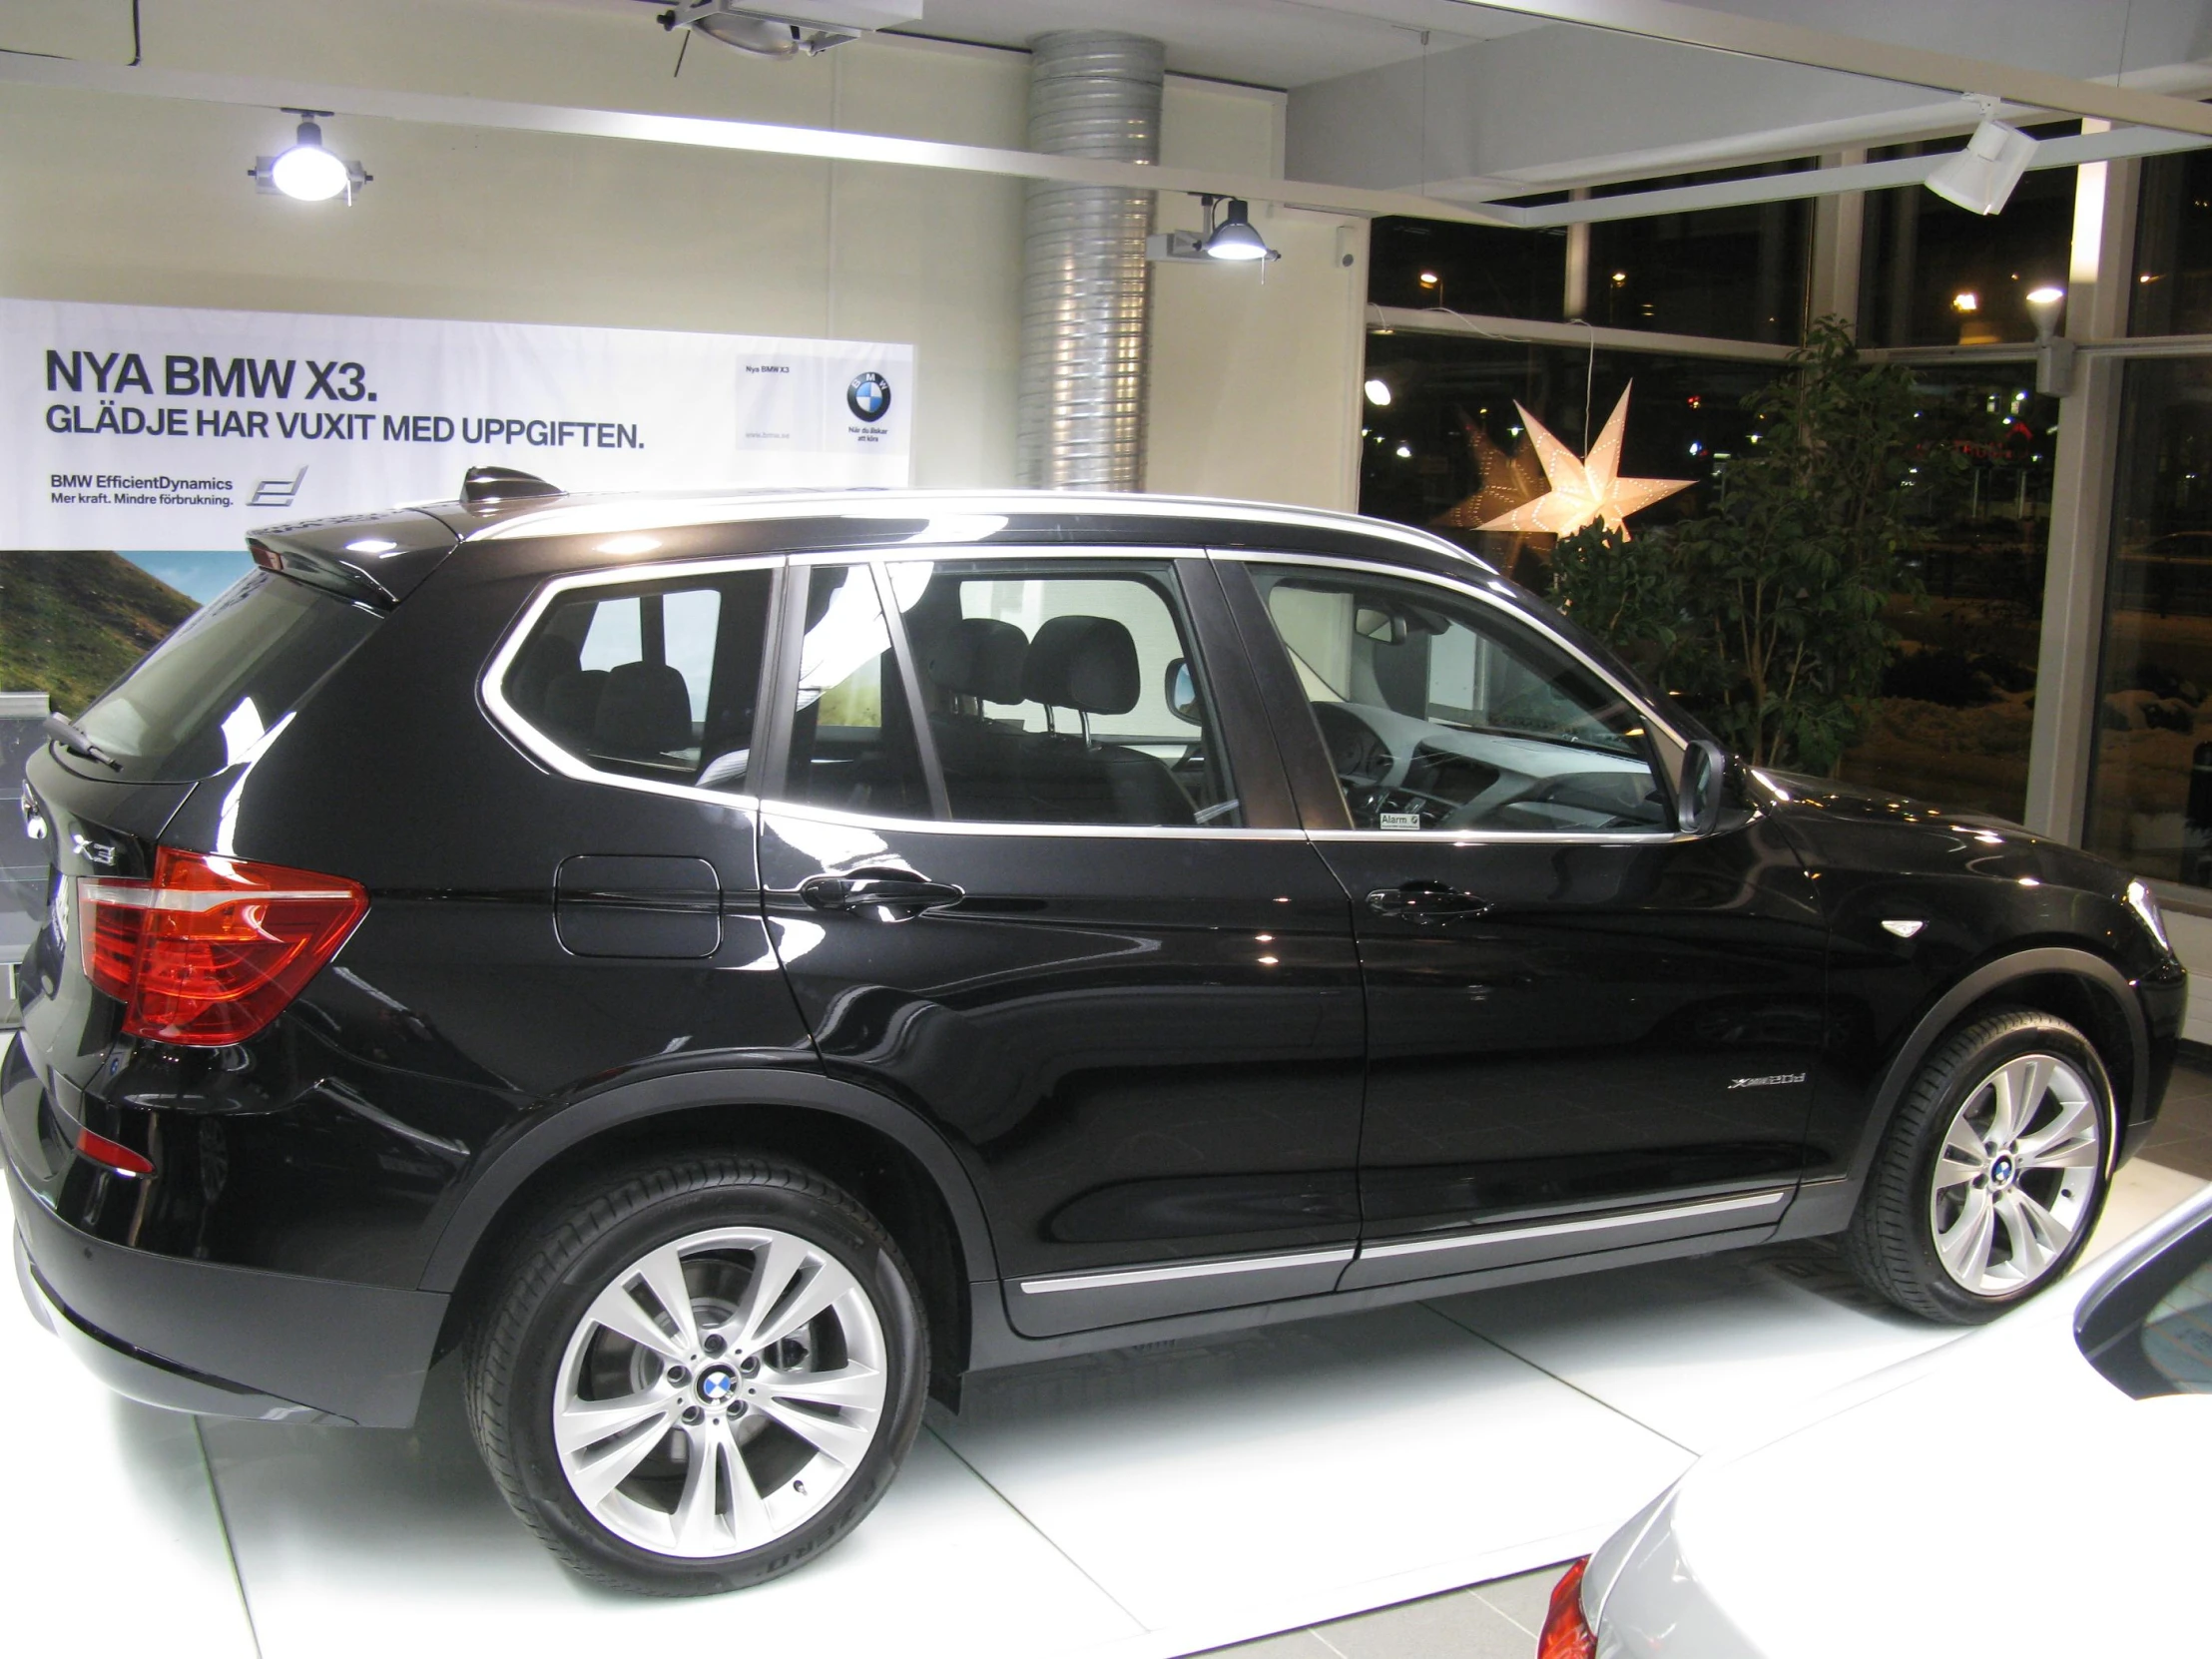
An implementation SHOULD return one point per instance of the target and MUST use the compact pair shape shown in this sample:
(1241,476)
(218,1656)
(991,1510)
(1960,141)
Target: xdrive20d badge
(724,968)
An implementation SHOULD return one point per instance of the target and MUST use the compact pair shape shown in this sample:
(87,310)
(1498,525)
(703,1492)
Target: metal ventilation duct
(1081,412)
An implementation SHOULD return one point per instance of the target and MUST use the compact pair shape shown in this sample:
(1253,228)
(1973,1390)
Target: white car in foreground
(2043,1486)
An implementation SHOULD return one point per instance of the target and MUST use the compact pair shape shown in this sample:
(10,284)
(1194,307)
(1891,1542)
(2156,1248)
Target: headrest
(644,710)
(572,701)
(543,661)
(980,656)
(1088,662)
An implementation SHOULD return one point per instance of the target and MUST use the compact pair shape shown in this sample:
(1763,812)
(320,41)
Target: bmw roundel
(868,397)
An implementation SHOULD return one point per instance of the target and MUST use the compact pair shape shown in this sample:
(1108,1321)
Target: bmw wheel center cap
(717,1385)
(868,397)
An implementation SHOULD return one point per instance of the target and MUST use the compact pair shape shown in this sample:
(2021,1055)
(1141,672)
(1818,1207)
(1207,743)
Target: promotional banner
(155,429)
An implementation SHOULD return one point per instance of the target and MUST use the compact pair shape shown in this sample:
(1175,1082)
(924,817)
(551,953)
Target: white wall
(143,201)
(1254,375)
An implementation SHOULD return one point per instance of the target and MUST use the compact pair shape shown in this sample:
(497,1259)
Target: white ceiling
(1274,43)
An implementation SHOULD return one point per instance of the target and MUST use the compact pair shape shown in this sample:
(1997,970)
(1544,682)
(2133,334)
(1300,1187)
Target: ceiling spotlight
(306,172)
(1234,238)
(762,33)
(1981,176)
(1378,392)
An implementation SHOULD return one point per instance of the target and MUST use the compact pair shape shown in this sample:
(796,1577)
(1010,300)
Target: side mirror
(1698,800)
(1182,692)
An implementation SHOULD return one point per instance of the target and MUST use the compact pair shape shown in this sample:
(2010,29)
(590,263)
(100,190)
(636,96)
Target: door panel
(1143,1035)
(1571,1007)
(1147,1050)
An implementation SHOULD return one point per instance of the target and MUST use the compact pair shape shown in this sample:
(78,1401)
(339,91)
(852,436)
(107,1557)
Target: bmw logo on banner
(868,397)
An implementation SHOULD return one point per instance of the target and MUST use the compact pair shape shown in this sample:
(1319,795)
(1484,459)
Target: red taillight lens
(1567,1634)
(114,1154)
(210,950)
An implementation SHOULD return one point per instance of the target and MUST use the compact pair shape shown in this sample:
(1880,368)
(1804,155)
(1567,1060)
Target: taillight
(210,950)
(1567,1634)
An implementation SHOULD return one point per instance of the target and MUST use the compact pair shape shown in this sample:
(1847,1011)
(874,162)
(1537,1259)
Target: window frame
(1307,755)
(544,749)
(1246,733)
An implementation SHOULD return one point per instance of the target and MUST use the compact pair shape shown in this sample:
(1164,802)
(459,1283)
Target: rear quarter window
(206,696)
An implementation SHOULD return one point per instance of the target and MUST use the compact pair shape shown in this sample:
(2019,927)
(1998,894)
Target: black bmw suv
(728,966)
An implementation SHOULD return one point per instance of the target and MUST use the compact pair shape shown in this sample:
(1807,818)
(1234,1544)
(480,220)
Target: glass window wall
(1933,273)
(2173,247)
(1957,702)
(2150,802)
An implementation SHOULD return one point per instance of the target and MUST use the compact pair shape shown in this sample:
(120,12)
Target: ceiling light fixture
(308,171)
(1232,239)
(1378,392)
(1981,176)
(785,28)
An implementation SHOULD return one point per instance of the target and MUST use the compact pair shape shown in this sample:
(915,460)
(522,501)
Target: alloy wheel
(2016,1175)
(719,1392)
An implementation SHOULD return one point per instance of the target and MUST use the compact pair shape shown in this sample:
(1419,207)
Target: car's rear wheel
(698,1375)
(1992,1172)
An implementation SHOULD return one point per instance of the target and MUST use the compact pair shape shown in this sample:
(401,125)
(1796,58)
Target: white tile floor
(1127,1506)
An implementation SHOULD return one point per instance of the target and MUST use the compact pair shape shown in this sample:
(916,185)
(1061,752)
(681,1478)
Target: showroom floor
(1148,1503)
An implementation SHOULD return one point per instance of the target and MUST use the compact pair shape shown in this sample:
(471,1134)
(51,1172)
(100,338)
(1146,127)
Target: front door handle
(1427,901)
(881,896)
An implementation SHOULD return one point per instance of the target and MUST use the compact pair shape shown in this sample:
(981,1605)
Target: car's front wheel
(1992,1173)
(698,1375)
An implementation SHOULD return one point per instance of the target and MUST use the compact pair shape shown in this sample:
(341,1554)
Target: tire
(620,1432)
(1966,1211)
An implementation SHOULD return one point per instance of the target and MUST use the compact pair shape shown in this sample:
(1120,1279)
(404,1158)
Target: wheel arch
(2074,986)
(900,1168)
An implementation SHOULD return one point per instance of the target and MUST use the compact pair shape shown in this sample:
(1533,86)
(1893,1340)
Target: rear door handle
(889,897)
(1427,901)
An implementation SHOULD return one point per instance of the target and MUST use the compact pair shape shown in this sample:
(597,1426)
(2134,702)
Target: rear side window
(650,679)
(207,696)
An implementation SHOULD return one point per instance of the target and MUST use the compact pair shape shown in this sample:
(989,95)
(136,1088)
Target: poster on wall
(140,445)
(160,429)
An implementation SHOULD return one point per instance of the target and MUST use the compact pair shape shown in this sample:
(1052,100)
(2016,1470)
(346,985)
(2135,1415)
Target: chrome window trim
(1119,1276)
(1516,1235)
(510,720)
(615,517)
(984,826)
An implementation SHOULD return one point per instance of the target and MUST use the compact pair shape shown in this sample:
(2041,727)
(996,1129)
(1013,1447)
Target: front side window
(652,680)
(1440,714)
(1065,692)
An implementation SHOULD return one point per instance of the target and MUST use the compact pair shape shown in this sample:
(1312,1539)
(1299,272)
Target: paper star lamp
(1589,491)
(1509,481)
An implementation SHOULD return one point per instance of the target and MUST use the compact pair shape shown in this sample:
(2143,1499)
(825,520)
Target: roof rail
(489,485)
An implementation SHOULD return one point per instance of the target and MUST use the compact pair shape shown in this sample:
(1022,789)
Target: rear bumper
(225,1341)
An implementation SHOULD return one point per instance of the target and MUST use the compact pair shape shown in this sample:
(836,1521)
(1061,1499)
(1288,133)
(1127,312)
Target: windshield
(212,693)
(2150,1333)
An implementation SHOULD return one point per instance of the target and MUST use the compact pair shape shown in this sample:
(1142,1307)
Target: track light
(765,35)
(1981,176)
(1234,238)
(308,171)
